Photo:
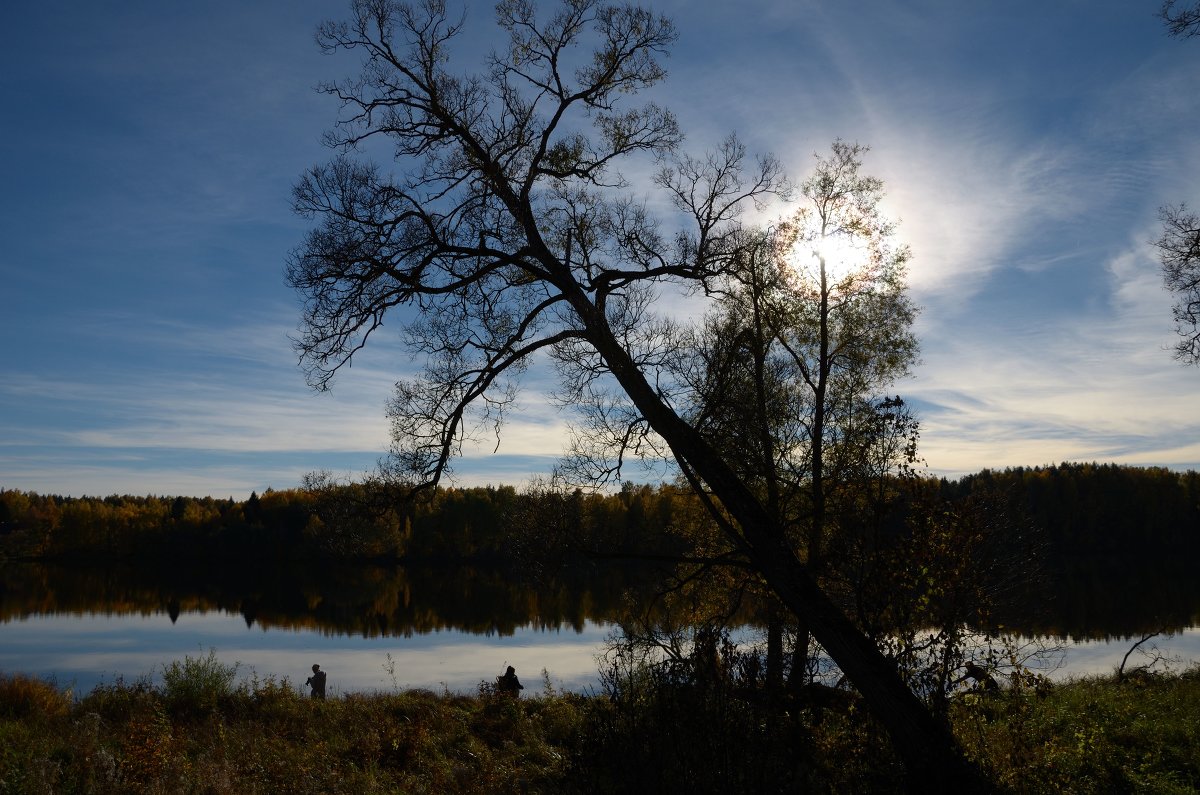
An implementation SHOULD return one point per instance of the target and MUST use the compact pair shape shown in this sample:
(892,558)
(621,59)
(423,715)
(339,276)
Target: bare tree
(1179,253)
(1152,654)
(507,228)
(1179,246)
(1181,22)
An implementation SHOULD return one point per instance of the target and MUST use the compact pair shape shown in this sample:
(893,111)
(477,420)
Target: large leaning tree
(503,232)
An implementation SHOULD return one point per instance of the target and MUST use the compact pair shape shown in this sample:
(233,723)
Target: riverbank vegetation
(204,730)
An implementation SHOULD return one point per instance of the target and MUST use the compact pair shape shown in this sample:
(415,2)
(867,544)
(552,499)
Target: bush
(687,725)
(24,696)
(118,700)
(197,685)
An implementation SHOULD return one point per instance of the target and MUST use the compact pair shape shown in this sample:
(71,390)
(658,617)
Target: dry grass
(263,736)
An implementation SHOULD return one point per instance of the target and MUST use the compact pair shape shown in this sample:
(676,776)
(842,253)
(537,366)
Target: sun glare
(841,254)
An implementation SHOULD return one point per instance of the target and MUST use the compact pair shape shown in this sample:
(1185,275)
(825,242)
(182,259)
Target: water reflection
(441,627)
(1099,600)
(84,650)
(368,601)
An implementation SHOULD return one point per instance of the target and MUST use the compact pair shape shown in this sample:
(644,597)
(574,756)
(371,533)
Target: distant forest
(1074,511)
(354,522)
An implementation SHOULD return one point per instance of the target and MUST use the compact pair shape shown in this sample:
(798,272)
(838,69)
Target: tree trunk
(931,756)
(800,656)
(774,649)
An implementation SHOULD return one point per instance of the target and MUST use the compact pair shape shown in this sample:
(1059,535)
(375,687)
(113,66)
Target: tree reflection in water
(452,625)
(449,626)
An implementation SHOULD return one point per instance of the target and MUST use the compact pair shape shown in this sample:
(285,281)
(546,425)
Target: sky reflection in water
(83,650)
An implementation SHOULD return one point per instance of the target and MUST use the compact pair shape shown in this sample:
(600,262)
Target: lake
(371,630)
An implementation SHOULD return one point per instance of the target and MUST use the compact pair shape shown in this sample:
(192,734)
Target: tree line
(1078,514)
(349,522)
(1090,511)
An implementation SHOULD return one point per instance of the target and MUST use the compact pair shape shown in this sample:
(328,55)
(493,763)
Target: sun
(841,254)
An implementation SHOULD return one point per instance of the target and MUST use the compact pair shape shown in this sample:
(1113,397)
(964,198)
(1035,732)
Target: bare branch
(1183,23)
(1179,254)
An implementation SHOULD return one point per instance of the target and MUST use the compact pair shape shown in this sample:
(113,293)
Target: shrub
(116,701)
(196,685)
(24,696)
(1096,734)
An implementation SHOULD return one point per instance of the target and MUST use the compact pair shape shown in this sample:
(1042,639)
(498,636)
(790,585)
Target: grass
(198,732)
(1100,734)
(201,733)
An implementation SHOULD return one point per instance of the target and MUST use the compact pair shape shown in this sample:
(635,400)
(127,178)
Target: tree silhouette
(507,228)
(1183,22)
(1179,246)
(1179,253)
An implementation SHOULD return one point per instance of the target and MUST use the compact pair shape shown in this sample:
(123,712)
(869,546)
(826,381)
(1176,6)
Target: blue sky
(148,149)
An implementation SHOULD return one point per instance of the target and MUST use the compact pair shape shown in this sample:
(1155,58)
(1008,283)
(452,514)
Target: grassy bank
(1138,734)
(199,732)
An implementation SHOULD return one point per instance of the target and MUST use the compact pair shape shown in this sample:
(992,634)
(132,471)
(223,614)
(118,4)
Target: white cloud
(1098,385)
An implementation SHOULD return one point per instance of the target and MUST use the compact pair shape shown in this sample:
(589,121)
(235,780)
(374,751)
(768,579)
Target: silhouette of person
(316,682)
(983,678)
(508,684)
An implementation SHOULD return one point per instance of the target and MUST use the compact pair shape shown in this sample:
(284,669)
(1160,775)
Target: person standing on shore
(316,682)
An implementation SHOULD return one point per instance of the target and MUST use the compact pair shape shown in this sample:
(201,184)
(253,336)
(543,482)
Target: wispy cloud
(1091,386)
(1025,150)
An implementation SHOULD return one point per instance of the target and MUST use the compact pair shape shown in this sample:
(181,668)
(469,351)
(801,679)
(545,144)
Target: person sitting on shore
(508,684)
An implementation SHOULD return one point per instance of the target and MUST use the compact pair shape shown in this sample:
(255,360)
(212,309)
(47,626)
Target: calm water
(84,650)
(370,630)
